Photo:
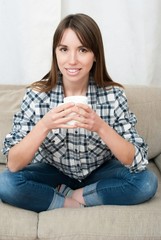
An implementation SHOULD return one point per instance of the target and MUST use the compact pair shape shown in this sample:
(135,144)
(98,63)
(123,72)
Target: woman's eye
(83,50)
(62,49)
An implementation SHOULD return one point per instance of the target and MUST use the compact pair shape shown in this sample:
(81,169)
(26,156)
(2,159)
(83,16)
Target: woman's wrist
(42,127)
(103,129)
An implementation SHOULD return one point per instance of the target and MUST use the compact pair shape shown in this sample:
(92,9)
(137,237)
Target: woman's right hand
(58,117)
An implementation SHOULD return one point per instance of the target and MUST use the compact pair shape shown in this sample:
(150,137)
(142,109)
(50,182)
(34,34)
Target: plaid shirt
(77,152)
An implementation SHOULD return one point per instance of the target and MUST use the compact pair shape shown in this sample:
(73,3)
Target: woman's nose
(72,58)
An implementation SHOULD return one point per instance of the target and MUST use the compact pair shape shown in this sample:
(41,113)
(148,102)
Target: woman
(98,160)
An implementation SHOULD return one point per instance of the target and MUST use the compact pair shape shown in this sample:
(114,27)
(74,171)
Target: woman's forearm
(22,153)
(123,150)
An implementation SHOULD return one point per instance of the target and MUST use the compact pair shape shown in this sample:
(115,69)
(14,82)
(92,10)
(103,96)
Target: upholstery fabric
(145,102)
(10,99)
(17,224)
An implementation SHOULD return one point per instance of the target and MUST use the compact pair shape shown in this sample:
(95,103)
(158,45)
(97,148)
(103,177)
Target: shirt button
(78,167)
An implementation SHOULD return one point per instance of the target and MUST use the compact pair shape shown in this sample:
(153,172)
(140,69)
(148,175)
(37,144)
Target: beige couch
(140,222)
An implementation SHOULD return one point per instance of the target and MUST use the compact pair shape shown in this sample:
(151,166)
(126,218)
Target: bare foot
(71,203)
(78,196)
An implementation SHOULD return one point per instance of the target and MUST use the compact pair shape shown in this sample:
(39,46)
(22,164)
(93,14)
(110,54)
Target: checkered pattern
(77,152)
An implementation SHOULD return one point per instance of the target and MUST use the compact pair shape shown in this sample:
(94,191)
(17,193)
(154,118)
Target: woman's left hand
(87,118)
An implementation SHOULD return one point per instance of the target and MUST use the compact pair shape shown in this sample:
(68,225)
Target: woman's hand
(58,117)
(87,118)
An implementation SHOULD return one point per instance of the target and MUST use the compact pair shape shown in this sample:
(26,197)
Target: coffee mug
(75,99)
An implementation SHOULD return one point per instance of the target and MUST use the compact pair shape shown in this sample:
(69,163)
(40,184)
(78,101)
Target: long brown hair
(90,36)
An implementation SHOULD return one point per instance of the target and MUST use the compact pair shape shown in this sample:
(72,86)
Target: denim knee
(8,184)
(149,184)
(143,186)
(17,190)
(130,189)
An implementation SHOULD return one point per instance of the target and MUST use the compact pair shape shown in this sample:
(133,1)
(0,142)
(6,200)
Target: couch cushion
(10,99)
(145,102)
(17,224)
(101,223)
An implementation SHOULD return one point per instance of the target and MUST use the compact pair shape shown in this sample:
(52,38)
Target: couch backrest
(144,101)
(10,99)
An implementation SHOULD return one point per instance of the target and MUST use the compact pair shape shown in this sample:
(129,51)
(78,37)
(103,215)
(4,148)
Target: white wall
(130,28)
(131,33)
(26,28)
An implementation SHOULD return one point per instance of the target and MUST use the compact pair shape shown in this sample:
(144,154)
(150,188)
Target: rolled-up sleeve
(125,125)
(23,122)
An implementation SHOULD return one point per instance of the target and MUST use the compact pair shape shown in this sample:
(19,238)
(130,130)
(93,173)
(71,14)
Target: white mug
(75,99)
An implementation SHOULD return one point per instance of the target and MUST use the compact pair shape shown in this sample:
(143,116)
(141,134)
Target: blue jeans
(34,187)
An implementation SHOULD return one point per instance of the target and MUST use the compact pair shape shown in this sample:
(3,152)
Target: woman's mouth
(73,71)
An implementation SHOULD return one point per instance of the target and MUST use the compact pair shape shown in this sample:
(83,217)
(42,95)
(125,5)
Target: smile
(73,70)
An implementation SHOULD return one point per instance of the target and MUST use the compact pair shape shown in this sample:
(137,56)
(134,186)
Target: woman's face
(74,60)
